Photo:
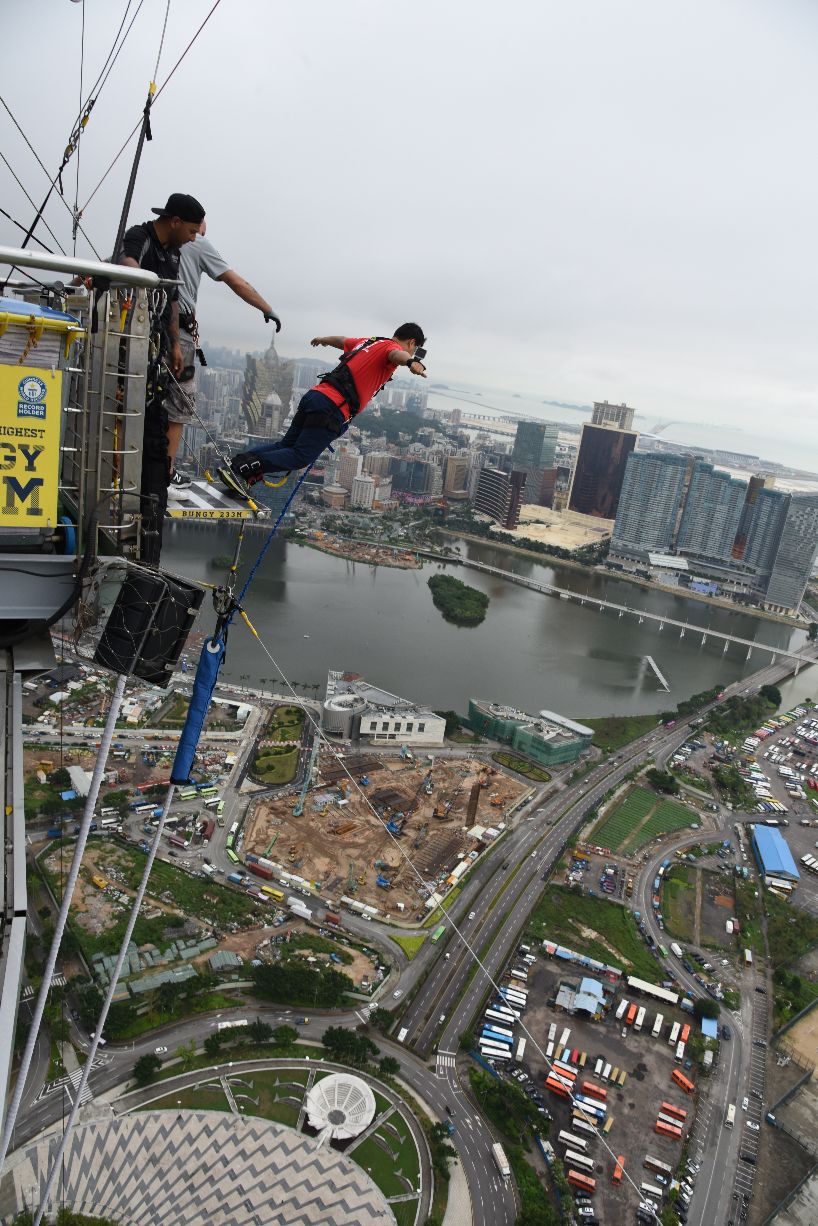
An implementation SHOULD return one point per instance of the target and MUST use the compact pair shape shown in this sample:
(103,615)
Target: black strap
(341,377)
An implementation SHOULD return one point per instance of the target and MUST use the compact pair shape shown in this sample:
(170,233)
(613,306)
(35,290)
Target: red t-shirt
(370,369)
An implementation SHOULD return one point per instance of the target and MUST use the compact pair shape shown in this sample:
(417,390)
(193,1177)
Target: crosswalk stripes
(444,1061)
(74,1078)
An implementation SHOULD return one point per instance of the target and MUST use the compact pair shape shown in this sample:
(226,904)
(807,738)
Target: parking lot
(647,1063)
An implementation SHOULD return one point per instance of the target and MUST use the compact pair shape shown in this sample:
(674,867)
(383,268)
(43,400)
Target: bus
(209,790)
(651,1189)
(489,1036)
(501,1161)
(583,1183)
(680,1052)
(220,808)
(552,1032)
(146,806)
(669,1119)
(640,1018)
(674,1034)
(667,1130)
(566,1034)
(618,1169)
(233,831)
(556,1086)
(561,1067)
(606,1072)
(560,1080)
(631,1017)
(580,1161)
(493,1051)
(615,1075)
(599,1066)
(231,855)
(520,1052)
(659,1167)
(683,1082)
(583,1056)
(730,1117)
(662,951)
(581,1125)
(588,1087)
(685,1035)
(213,802)
(505,1031)
(549,1051)
(607,1126)
(108,823)
(186,794)
(271,892)
(623,1077)
(504,1016)
(108,811)
(621,1009)
(402,1034)
(568,1138)
(657,1025)
(591,1106)
(678,1112)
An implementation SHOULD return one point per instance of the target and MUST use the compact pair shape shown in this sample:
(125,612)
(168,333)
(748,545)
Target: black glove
(273,319)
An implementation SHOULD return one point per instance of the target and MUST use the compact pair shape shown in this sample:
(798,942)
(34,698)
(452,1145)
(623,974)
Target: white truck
(501,1161)
(676,949)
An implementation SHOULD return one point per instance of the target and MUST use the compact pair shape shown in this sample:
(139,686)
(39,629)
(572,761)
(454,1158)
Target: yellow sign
(30,408)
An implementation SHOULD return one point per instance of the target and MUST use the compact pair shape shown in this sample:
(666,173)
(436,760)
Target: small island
(460,604)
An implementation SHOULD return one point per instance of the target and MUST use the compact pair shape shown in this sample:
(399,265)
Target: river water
(316,612)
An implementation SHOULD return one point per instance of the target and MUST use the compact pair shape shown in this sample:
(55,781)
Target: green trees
(704,1007)
(812,632)
(285,1036)
(772,694)
(186,1054)
(388,1066)
(146,1068)
(460,604)
(292,984)
(348,1047)
(663,781)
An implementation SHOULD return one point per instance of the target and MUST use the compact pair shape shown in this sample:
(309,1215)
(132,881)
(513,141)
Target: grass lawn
(209,1098)
(522,766)
(270,1089)
(679,902)
(405,1212)
(695,781)
(563,915)
(410,945)
(285,725)
(276,768)
(383,1167)
(611,732)
(669,816)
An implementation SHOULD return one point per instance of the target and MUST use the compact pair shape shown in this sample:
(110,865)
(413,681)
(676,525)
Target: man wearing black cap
(155,245)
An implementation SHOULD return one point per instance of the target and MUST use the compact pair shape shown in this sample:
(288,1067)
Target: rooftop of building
(774,853)
(341,686)
(547,723)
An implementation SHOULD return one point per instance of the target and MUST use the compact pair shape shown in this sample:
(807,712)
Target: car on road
(398,992)
(160,1051)
(441,1019)
(472,915)
(745,1102)
(752,1124)
(726,1032)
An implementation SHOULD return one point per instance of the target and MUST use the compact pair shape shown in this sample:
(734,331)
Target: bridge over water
(622,610)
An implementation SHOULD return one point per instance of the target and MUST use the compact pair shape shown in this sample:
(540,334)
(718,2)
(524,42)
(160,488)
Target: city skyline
(710,317)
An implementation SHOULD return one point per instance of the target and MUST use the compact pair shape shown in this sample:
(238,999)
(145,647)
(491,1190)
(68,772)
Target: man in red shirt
(325,411)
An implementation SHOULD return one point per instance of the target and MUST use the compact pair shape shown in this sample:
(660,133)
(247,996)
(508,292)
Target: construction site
(340,834)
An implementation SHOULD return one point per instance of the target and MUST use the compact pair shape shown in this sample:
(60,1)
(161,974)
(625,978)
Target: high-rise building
(649,502)
(712,513)
(378,463)
(348,469)
(363,492)
(619,415)
(600,470)
(762,522)
(796,553)
(456,476)
(500,495)
(533,453)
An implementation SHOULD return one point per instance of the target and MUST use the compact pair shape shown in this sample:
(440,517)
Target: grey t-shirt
(194,259)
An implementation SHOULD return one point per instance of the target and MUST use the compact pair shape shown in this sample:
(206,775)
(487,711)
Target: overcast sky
(579,200)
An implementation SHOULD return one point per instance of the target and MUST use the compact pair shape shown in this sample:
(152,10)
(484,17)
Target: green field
(411,946)
(567,917)
(385,1168)
(522,766)
(276,765)
(637,819)
(611,732)
(679,902)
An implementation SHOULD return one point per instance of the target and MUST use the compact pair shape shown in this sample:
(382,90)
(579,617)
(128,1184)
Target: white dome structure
(340,1106)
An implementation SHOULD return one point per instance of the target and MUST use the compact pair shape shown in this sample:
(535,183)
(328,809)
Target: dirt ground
(648,1063)
(717,906)
(783,1163)
(802,1039)
(565,528)
(251,943)
(339,841)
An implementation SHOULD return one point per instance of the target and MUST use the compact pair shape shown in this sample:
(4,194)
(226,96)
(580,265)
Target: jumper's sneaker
(245,470)
(179,483)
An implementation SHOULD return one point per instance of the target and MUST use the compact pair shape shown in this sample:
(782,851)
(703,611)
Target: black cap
(180,205)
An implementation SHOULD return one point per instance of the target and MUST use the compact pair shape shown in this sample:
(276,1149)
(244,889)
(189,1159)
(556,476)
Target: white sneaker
(179,484)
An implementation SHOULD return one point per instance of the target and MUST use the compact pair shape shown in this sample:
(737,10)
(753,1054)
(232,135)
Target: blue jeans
(316,425)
